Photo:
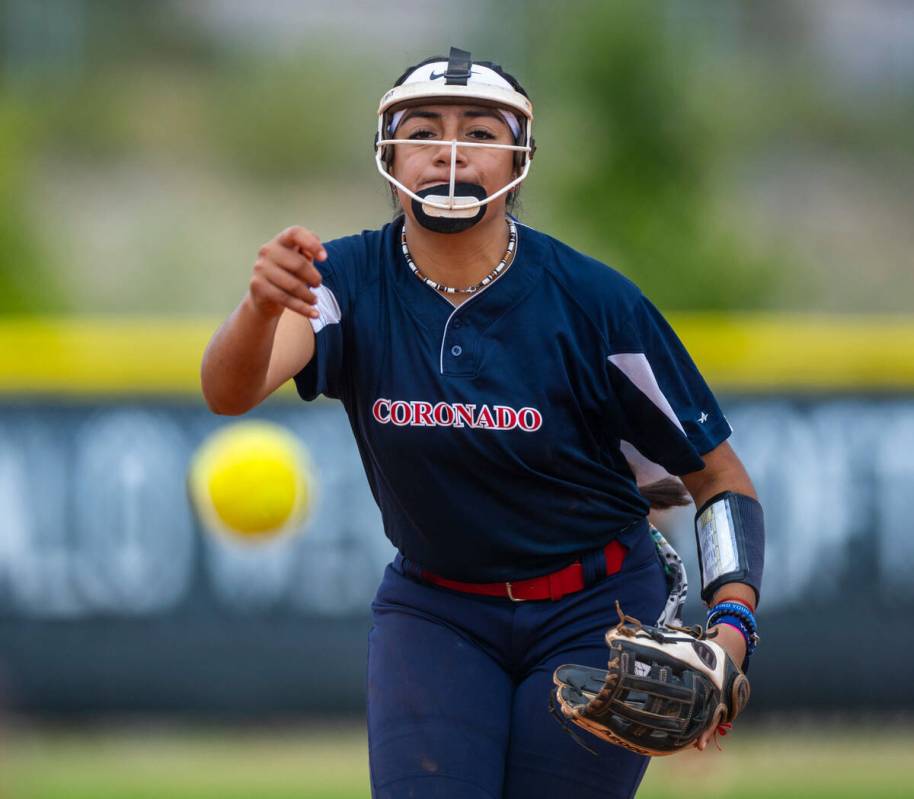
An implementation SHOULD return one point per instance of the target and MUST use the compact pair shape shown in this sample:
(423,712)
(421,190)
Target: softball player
(498,384)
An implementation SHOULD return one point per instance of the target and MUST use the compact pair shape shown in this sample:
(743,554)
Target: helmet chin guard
(459,81)
(452,219)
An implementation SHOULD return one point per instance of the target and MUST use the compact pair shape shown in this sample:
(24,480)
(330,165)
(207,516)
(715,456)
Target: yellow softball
(252,479)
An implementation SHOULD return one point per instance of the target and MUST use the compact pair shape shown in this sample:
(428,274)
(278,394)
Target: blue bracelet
(745,618)
(736,622)
(738,610)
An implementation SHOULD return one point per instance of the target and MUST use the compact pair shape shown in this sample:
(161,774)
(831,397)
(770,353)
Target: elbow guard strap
(730,530)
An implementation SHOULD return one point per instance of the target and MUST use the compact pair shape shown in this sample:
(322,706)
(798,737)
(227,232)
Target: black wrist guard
(730,531)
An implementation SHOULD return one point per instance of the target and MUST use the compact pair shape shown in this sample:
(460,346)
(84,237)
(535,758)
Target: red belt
(547,586)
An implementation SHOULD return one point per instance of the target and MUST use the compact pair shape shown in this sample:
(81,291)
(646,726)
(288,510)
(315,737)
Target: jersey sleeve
(326,373)
(665,408)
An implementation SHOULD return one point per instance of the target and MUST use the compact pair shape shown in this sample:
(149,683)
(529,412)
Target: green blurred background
(733,155)
(728,156)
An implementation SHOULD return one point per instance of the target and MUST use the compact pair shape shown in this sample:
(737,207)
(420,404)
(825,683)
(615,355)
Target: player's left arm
(724,472)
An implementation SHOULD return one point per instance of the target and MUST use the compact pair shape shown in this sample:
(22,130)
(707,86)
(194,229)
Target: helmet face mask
(455,81)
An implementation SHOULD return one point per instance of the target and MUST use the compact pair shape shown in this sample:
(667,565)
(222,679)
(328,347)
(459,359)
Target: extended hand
(284,274)
(734,644)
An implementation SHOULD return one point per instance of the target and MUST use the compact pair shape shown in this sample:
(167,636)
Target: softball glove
(662,689)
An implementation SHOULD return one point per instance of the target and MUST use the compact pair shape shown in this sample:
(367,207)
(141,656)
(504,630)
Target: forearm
(727,632)
(725,474)
(737,591)
(236,360)
(730,637)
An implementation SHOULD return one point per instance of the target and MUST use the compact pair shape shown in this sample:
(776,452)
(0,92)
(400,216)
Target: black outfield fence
(113,599)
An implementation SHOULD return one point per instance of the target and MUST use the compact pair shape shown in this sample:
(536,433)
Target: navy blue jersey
(494,435)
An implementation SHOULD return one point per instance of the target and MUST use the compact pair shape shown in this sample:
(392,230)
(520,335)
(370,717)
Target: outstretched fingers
(284,273)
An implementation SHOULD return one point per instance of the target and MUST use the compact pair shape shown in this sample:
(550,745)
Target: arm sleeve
(326,371)
(666,409)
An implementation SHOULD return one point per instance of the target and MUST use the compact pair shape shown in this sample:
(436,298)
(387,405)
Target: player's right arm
(268,338)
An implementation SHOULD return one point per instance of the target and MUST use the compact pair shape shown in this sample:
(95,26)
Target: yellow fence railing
(755,353)
(777,352)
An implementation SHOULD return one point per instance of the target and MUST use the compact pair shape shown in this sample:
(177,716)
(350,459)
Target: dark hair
(666,493)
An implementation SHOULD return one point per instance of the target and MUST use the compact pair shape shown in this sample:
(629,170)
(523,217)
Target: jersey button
(456,350)
(457,324)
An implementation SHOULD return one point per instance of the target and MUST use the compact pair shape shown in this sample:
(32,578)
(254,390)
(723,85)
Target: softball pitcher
(500,385)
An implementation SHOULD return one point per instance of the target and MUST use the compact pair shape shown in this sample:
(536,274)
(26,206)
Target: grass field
(282,763)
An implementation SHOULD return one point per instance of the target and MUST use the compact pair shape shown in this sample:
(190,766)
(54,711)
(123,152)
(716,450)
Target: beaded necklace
(493,275)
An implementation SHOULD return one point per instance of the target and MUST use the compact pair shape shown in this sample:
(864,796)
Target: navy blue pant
(459,687)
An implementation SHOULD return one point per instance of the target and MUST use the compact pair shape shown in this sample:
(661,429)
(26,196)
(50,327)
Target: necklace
(493,275)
